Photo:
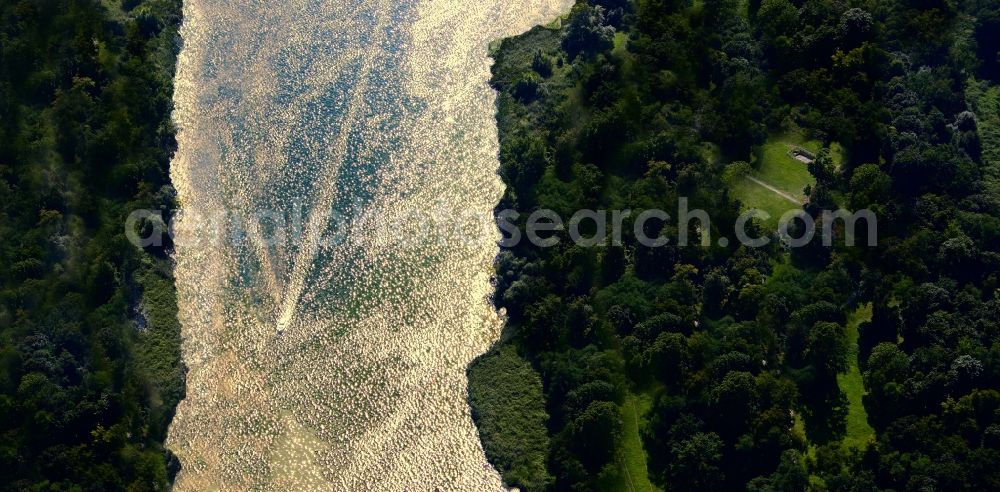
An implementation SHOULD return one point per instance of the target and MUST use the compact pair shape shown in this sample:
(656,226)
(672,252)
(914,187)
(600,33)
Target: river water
(324,353)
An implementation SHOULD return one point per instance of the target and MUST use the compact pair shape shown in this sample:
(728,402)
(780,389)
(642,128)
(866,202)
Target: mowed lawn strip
(859,433)
(633,454)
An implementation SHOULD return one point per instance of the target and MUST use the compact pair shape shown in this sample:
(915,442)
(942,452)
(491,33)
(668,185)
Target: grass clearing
(620,52)
(859,433)
(838,153)
(778,168)
(755,196)
(620,40)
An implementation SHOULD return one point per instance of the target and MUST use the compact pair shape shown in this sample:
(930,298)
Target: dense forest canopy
(90,367)
(728,367)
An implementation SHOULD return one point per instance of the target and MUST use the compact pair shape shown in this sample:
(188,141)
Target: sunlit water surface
(374,106)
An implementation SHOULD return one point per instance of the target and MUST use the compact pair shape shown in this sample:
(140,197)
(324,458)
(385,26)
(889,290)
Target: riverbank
(89,338)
